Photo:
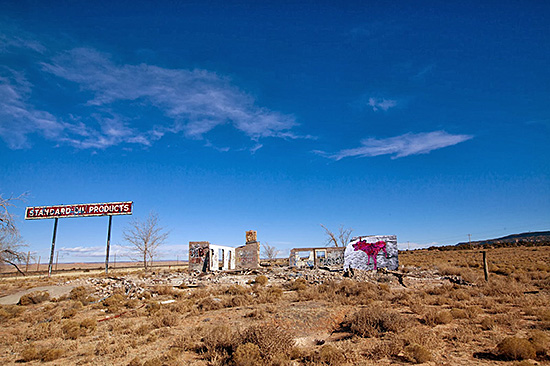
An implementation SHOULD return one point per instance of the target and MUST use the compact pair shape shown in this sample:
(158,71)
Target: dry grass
(367,320)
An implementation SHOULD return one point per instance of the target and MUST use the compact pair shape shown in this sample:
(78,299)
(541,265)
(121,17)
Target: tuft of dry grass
(35,297)
(247,354)
(417,354)
(330,355)
(261,280)
(515,348)
(376,320)
(273,341)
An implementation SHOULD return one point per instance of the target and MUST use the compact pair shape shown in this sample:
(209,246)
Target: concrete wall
(198,251)
(314,257)
(372,252)
(204,256)
(248,256)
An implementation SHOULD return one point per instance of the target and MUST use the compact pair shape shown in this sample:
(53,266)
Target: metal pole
(56,260)
(38,265)
(53,247)
(108,245)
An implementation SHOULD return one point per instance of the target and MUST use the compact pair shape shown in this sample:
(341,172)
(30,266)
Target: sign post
(79,210)
(108,245)
(53,247)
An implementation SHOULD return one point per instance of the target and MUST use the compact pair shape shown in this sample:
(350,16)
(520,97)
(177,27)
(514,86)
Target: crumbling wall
(204,257)
(227,259)
(315,257)
(248,256)
(372,252)
(198,252)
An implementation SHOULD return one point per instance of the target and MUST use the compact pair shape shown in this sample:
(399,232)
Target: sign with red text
(79,210)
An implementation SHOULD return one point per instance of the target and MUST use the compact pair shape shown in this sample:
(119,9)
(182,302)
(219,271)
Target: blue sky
(426,120)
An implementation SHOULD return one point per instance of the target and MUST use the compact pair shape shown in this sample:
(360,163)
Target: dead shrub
(271,340)
(238,300)
(209,303)
(165,318)
(459,313)
(257,314)
(247,354)
(81,294)
(164,290)
(515,348)
(373,321)
(330,355)
(417,354)
(298,284)
(261,280)
(44,353)
(236,290)
(35,297)
(219,341)
(541,342)
(72,329)
(269,295)
(10,312)
(434,317)
(115,302)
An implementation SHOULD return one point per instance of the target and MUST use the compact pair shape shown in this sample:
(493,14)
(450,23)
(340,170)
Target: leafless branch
(340,239)
(145,237)
(269,251)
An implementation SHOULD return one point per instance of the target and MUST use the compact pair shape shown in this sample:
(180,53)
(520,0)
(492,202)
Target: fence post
(485,267)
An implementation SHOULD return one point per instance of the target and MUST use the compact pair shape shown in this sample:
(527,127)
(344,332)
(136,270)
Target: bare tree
(10,239)
(340,239)
(145,237)
(269,251)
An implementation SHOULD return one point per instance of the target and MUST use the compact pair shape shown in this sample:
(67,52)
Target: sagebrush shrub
(35,297)
(247,354)
(515,348)
(270,339)
(417,353)
(373,321)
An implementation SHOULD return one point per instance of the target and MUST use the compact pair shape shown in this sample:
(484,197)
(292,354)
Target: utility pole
(408,246)
(38,265)
(470,239)
(28,259)
(56,260)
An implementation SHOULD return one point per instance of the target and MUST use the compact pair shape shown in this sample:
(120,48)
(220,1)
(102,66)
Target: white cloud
(400,146)
(197,101)
(381,103)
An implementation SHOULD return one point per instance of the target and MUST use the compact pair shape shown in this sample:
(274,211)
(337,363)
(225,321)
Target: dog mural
(372,249)
(365,253)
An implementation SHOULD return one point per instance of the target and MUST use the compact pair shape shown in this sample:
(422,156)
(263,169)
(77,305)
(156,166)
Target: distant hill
(530,239)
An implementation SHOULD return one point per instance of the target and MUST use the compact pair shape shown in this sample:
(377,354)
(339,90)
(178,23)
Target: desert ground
(437,309)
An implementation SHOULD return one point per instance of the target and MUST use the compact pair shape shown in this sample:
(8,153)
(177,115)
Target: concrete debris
(136,286)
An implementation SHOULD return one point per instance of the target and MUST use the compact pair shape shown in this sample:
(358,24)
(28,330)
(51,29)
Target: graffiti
(362,249)
(332,261)
(372,249)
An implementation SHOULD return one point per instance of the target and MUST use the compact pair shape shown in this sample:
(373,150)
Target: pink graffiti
(372,249)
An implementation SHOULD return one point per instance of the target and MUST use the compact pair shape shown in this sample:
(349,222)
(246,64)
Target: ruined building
(363,252)
(205,257)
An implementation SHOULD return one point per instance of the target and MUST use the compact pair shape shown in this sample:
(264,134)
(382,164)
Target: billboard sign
(79,210)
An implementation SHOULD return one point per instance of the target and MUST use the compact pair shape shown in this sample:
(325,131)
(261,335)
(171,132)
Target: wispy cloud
(188,102)
(381,103)
(400,146)
(197,101)
(17,117)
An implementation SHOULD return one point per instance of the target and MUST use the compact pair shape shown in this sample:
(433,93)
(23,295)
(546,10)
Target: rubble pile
(136,285)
